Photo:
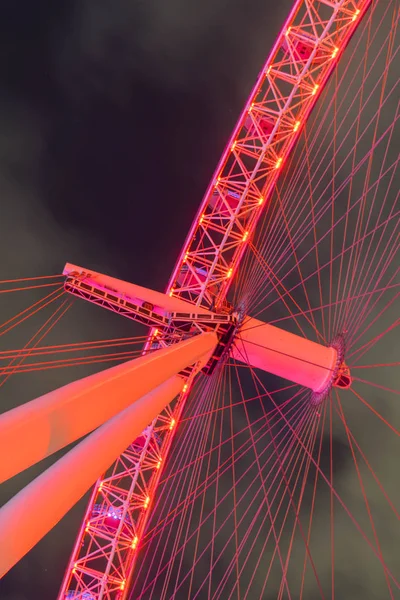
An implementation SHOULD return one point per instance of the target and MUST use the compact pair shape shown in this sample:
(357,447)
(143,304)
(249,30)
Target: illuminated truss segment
(107,544)
(113,520)
(286,91)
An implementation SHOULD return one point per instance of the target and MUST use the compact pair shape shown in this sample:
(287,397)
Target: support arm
(35,430)
(34,511)
(163,304)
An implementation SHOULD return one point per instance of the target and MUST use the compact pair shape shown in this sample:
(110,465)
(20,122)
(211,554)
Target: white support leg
(35,430)
(34,511)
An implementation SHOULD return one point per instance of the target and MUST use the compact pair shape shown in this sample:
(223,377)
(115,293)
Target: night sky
(112,118)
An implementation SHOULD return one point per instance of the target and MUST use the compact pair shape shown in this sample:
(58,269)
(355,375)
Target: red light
(134,542)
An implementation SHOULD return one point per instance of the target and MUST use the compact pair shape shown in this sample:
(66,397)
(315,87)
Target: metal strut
(169,326)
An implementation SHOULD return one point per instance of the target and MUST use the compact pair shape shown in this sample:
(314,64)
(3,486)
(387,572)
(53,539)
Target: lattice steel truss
(287,88)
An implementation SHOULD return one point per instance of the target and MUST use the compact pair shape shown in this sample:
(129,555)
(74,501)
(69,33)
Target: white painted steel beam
(38,428)
(36,509)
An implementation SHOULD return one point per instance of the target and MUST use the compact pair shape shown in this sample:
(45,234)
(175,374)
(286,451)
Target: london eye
(236,446)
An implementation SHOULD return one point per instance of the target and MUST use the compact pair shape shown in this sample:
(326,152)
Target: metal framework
(304,56)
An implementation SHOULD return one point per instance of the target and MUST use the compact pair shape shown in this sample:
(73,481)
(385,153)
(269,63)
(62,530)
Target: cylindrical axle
(285,354)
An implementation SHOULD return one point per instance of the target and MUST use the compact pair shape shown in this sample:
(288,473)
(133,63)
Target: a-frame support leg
(35,430)
(34,511)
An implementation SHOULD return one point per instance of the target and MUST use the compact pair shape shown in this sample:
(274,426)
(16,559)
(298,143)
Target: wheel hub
(341,377)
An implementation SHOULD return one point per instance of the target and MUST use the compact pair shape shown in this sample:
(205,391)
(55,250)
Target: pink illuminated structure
(301,62)
(193,328)
(58,418)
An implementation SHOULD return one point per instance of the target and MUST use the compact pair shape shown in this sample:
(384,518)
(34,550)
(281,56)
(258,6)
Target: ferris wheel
(241,447)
